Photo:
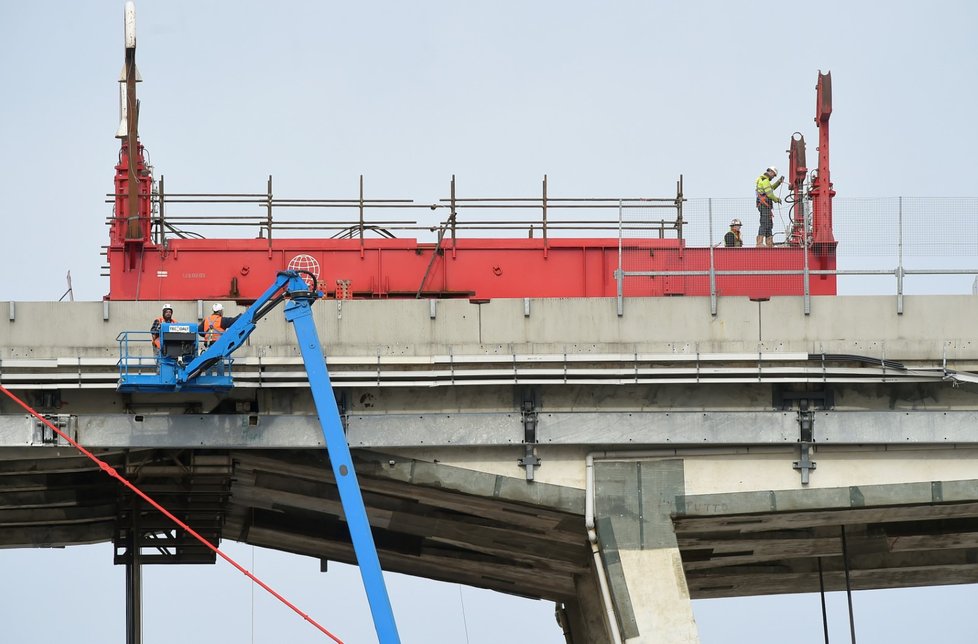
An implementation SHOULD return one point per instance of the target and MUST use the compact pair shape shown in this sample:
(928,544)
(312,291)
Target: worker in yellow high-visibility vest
(765,200)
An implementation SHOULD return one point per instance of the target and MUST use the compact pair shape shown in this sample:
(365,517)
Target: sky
(605,98)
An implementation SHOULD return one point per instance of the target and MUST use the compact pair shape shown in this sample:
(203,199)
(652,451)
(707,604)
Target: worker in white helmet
(732,238)
(764,190)
(166,315)
(215,324)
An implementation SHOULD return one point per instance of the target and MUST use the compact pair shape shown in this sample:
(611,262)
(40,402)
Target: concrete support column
(584,618)
(634,501)
(659,597)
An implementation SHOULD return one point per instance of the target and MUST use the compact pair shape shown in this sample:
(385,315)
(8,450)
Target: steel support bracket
(806,443)
(41,434)
(530,419)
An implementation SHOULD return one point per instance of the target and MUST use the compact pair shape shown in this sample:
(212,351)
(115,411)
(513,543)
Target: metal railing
(921,237)
(914,233)
(532,215)
(136,353)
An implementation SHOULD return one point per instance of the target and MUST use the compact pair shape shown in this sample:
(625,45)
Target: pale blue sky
(606,98)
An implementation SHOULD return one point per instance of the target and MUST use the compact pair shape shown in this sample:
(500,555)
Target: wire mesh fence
(934,241)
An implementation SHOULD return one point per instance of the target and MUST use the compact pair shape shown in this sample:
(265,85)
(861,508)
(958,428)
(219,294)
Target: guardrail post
(161,224)
(268,215)
(899,271)
(546,243)
(804,234)
(713,275)
(361,215)
(619,275)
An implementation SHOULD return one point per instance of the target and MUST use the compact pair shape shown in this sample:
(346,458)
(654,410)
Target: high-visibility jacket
(213,326)
(155,330)
(732,239)
(765,189)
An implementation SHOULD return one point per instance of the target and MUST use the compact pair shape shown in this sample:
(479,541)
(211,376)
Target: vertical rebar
(899,274)
(713,275)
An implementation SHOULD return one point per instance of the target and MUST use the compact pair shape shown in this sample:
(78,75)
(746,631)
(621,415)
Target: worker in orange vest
(166,315)
(215,324)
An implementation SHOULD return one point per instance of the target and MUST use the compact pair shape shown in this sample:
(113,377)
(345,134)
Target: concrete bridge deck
(720,456)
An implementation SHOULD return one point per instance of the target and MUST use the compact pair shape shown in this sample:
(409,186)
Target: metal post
(619,275)
(134,579)
(452,215)
(845,564)
(361,213)
(899,271)
(679,206)
(821,592)
(713,275)
(268,205)
(545,244)
(804,234)
(161,231)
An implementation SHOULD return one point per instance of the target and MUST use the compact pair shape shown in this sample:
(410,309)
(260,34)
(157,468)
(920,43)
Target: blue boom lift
(181,369)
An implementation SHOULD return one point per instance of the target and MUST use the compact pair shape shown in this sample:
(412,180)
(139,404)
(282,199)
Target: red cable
(111,471)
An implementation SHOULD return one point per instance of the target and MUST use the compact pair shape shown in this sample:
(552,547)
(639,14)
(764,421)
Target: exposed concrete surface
(930,327)
(657,586)
(740,473)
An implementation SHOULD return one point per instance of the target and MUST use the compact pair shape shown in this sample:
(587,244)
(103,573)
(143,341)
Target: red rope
(111,471)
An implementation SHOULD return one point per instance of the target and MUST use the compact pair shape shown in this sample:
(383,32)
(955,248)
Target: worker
(765,198)
(215,324)
(166,315)
(732,238)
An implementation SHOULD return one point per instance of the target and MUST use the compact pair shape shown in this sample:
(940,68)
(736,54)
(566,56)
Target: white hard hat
(167,306)
(218,307)
(772,169)
(736,222)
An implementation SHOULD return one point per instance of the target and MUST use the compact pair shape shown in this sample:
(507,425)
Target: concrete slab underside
(493,531)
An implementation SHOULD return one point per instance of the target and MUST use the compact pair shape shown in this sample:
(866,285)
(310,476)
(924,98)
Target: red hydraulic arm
(131,221)
(797,172)
(822,191)
(133,182)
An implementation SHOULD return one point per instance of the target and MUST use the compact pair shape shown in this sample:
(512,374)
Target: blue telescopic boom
(291,287)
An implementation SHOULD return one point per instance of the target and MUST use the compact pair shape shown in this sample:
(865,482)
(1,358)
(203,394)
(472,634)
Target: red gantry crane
(151,258)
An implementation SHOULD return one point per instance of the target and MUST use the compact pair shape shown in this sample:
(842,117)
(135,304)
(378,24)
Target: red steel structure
(147,262)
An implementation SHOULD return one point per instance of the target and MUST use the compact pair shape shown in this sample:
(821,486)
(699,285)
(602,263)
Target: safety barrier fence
(935,240)
(668,245)
(184,215)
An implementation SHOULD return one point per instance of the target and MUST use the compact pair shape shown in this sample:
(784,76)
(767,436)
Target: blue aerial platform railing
(160,373)
(213,366)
